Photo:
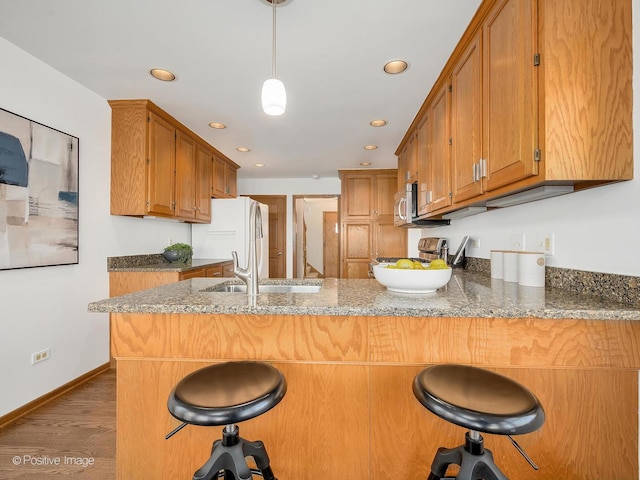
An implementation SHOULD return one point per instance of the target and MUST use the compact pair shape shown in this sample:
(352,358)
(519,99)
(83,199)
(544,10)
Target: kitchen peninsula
(350,352)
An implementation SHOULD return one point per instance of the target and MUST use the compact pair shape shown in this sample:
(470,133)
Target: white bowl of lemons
(411,276)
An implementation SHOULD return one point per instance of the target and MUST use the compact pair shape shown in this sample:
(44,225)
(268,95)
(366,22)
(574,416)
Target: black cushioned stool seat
(482,401)
(224,394)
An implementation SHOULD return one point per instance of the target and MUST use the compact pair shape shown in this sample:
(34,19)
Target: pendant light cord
(273,63)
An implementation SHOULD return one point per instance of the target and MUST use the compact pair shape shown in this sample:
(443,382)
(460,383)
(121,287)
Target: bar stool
(481,401)
(223,395)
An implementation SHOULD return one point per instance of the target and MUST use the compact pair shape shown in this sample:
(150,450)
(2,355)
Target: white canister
(496,263)
(510,266)
(531,269)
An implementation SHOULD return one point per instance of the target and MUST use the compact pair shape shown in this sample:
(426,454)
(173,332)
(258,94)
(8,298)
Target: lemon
(404,263)
(417,265)
(438,264)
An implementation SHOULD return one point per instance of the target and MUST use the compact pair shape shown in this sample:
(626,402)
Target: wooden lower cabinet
(349,411)
(121,283)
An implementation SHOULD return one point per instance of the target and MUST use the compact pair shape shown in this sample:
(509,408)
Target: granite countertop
(468,294)
(156,263)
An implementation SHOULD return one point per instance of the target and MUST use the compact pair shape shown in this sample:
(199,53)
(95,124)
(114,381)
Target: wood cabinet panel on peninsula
(158,166)
(353,374)
(541,95)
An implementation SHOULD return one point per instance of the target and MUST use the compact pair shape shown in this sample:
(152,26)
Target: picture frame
(38,194)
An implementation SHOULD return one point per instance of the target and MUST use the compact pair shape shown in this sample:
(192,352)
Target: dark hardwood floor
(73,435)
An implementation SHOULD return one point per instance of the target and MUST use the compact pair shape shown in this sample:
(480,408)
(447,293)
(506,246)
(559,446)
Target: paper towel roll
(496,263)
(510,266)
(531,269)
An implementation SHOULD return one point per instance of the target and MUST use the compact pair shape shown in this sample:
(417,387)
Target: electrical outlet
(40,356)
(474,243)
(546,243)
(517,241)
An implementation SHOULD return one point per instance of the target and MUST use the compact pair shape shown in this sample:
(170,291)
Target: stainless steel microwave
(405,203)
(405,210)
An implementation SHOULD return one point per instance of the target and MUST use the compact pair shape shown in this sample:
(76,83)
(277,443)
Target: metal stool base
(228,459)
(476,462)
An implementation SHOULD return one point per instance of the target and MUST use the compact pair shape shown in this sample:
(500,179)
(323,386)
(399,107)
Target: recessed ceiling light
(162,74)
(259,165)
(217,125)
(243,149)
(378,123)
(370,147)
(395,66)
(365,164)
(315,176)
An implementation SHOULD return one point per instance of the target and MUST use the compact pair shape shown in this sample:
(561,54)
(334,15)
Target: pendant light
(274,97)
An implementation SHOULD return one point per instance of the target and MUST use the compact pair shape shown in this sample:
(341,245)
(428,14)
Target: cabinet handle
(483,168)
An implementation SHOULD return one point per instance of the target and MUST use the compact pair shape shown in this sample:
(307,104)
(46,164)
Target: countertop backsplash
(621,288)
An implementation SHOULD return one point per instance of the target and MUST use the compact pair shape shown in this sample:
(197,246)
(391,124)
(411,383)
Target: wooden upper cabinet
(224,182)
(385,190)
(161,166)
(204,167)
(368,195)
(158,166)
(422,141)
(466,123)
(509,111)
(534,101)
(586,110)
(358,197)
(185,176)
(438,152)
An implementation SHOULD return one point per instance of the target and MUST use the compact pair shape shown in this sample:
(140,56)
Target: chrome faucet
(249,275)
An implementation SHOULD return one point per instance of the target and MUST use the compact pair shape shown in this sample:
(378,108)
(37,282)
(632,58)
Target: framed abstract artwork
(38,194)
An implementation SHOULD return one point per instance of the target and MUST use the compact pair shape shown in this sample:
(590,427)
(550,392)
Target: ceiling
(330,55)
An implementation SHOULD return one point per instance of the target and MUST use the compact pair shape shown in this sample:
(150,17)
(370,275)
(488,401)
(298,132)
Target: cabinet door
(193,274)
(214,271)
(403,174)
(161,167)
(438,152)
(358,197)
(357,249)
(466,123)
(424,183)
(385,189)
(219,182)
(412,159)
(224,183)
(227,270)
(232,181)
(204,166)
(509,113)
(389,241)
(185,176)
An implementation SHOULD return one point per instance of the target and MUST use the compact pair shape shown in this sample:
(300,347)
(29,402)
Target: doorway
(316,252)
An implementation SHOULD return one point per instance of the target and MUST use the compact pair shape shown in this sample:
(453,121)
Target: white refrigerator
(229,231)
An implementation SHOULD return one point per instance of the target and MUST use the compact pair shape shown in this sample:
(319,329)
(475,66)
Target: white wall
(47,306)
(289,187)
(595,230)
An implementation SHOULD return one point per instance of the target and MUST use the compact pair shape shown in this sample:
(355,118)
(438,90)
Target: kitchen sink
(268,288)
